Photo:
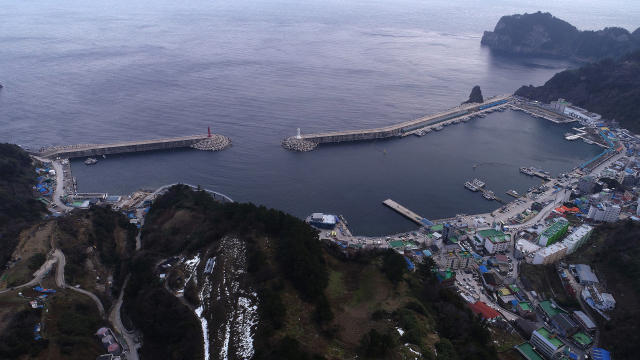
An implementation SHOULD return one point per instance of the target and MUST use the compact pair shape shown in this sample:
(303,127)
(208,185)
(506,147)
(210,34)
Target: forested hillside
(18,206)
(609,87)
(315,300)
(544,34)
(613,253)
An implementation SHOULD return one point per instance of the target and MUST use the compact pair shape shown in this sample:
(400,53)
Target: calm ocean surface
(107,71)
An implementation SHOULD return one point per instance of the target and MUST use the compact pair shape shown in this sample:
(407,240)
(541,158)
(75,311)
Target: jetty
(91,150)
(492,195)
(404,127)
(407,213)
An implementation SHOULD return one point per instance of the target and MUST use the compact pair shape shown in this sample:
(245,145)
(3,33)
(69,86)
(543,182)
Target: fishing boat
(90,161)
(527,171)
(513,193)
(471,187)
(478,183)
(488,195)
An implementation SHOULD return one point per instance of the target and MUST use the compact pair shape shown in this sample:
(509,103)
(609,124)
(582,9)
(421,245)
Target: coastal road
(57,191)
(59,185)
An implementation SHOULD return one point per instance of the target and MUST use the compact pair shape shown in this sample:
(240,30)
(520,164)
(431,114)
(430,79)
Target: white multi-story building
(578,237)
(546,342)
(604,212)
(549,254)
(495,240)
(582,114)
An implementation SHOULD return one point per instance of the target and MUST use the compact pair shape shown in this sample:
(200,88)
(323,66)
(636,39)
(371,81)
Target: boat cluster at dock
(299,145)
(440,126)
(477,185)
(214,143)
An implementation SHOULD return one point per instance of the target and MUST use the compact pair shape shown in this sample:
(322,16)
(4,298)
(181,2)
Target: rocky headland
(544,34)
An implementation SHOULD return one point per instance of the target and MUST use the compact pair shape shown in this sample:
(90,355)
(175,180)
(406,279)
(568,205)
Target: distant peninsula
(544,34)
(609,87)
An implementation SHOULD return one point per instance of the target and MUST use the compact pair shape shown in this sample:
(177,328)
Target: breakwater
(213,143)
(89,150)
(393,130)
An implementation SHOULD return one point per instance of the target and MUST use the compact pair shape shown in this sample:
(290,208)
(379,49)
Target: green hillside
(609,87)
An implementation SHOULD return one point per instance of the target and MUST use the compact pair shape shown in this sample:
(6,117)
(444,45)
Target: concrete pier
(118,148)
(406,213)
(401,128)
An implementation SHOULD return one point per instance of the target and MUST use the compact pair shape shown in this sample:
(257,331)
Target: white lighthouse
(298,136)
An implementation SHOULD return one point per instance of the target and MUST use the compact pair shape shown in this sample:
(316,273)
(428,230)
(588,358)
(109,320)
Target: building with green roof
(524,305)
(446,277)
(396,244)
(581,339)
(494,240)
(410,244)
(524,309)
(546,342)
(437,227)
(549,310)
(528,352)
(553,233)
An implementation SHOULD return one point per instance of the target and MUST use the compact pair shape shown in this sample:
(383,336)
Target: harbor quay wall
(119,148)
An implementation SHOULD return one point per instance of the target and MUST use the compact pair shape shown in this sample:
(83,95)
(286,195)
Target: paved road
(61,284)
(38,275)
(57,191)
(116,320)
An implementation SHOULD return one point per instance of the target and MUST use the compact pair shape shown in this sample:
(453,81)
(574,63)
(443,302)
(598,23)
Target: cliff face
(609,87)
(543,34)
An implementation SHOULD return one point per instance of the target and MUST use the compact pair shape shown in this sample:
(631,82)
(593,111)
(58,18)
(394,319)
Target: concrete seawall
(401,128)
(119,148)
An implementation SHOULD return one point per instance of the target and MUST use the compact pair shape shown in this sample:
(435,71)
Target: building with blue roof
(600,354)
(410,266)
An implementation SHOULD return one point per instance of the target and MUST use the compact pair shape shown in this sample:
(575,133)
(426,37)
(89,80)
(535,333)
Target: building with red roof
(484,310)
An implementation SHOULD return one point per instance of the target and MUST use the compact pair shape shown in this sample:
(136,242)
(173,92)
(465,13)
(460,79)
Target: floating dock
(407,126)
(119,148)
(407,213)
